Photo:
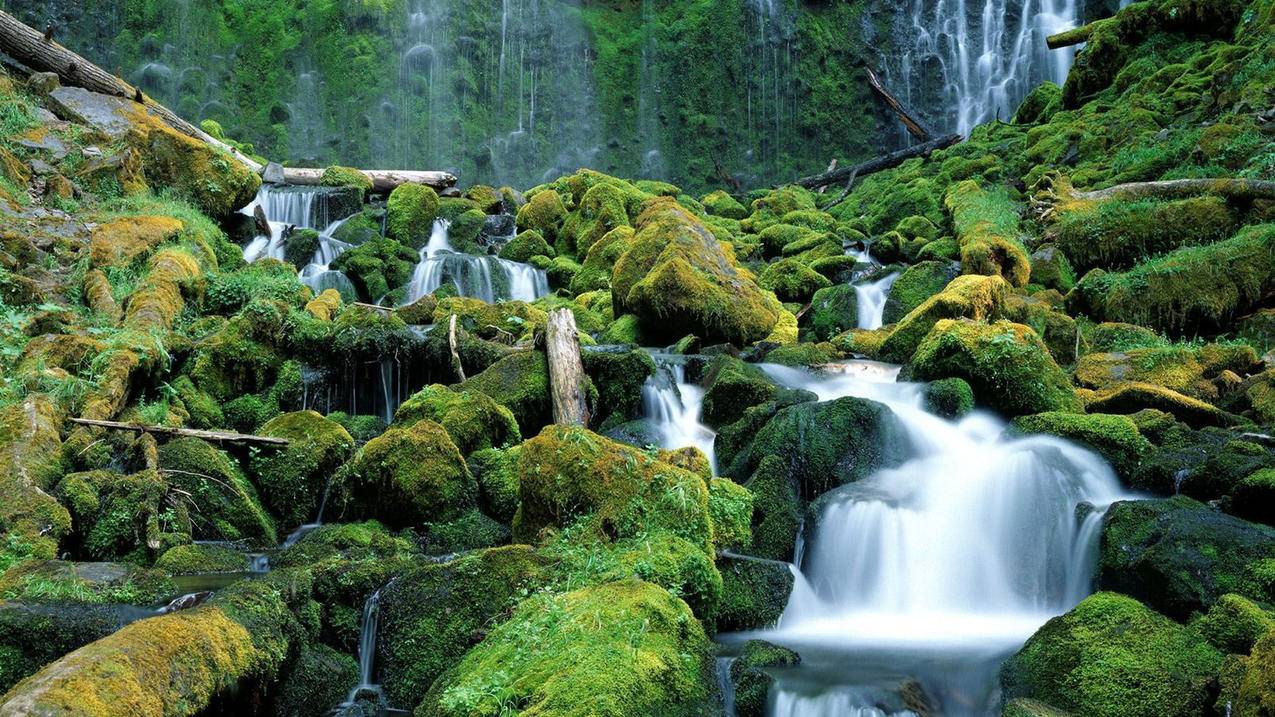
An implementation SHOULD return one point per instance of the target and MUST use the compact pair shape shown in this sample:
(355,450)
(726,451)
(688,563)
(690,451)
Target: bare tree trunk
(884,162)
(910,119)
(1234,188)
(213,436)
(566,370)
(451,345)
(383,180)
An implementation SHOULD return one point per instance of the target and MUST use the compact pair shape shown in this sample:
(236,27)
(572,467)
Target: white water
(488,278)
(971,62)
(870,301)
(306,209)
(673,406)
(938,568)
(367,648)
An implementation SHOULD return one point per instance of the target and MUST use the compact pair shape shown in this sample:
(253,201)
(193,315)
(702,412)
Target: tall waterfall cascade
(935,570)
(489,278)
(672,406)
(965,62)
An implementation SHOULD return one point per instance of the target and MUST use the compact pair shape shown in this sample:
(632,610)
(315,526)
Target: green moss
(410,213)
(29,441)
(601,209)
(1117,337)
(473,530)
(369,541)
(377,267)
(319,678)
(752,682)
(61,582)
(730,510)
(294,480)
(987,231)
(1234,624)
(1006,364)
(472,419)
(971,297)
(346,177)
(494,471)
(721,204)
(519,382)
(195,559)
(1115,438)
(1116,234)
(950,398)
(1194,288)
(1253,497)
(113,513)
(833,310)
(228,508)
(1181,556)
(1051,269)
(1112,656)
(1132,396)
(625,648)
(731,387)
(411,475)
(777,511)
(619,377)
(543,214)
(1246,681)
(33,636)
(1187,369)
(754,593)
(916,284)
(526,245)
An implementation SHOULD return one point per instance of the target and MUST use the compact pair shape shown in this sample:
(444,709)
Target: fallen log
(452,347)
(831,166)
(884,162)
(383,180)
(1234,188)
(213,436)
(30,47)
(910,120)
(373,307)
(1074,36)
(566,370)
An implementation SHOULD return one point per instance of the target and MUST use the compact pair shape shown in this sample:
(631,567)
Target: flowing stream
(489,278)
(930,573)
(870,301)
(672,406)
(304,208)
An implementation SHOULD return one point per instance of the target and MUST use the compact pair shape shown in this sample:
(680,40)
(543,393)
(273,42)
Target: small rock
(273,173)
(92,151)
(42,83)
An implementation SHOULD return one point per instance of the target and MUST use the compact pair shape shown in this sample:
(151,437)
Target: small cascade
(672,406)
(367,650)
(966,62)
(933,571)
(489,278)
(870,301)
(320,208)
(725,686)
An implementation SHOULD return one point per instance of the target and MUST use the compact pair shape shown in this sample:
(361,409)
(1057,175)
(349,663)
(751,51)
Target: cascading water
(488,278)
(870,301)
(368,626)
(672,407)
(933,571)
(306,208)
(962,62)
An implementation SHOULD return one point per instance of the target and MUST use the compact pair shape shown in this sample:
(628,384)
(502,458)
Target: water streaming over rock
(368,626)
(320,208)
(489,278)
(965,62)
(935,570)
(672,407)
(870,300)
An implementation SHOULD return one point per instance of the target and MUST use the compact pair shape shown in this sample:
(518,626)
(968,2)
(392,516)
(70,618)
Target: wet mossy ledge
(524,567)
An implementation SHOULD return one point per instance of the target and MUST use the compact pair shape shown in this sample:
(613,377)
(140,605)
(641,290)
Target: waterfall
(935,570)
(367,649)
(963,62)
(306,208)
(672,406)
(488,278)
(870,301)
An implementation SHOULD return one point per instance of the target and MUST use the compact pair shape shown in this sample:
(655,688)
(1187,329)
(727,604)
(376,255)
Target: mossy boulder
(29,443)
(776,518)
(1186,369)
(570,474)
(295,480)
(543,214)
(31,636)
(337,176)
(619,377)
(317,679)
(751,681)
(1180,555)
(1117,234)
(1234,624)
(495,471)
(986,223)
(1115,438)
(228,506)
(411,475)
(834,310)
(61,582)
(520,383)
(730,510)
(1112,656)
(1135,396)
(754,593)
(1254,497)
(194,559)
(410,212)
(1113,337)
(433,613)
(971,297)
(1006,364)
(377,267)
(679,280)
(473,419)
(526,245)
(1051,269)
(950,398)
(601,209)
(792,280)
(731,387)
(721,204)
(121,241)
(207,177)
(916,284)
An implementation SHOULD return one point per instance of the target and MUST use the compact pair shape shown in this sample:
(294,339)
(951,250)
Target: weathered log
(566,370)
(831,166)
(383,180)
(28,46)
(910,120)
(1233,188)
(884,162)
(1074,36)
(213,436)
(373,307)
(452,347)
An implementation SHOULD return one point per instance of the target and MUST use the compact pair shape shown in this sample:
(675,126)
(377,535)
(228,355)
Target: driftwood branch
(844,193)
(1233,188)
(884,162)
(383,180)
(566,370)
(452,347)
(909,118)
(30,47)
(213,436)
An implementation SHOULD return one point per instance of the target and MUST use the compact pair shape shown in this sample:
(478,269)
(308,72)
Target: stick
(844,193)
(566,371)
(884,162)
(910,120)
(214,436)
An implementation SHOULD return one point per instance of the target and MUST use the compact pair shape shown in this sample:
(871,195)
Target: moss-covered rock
(1051,269)
(31,636)
(228,507)
(731,387)
(434,613)
(1006,364)
(1234,624)
(777,510)
(411,475)
(472,419)
(207,177)
(1115,438)
(29,443)
(971,297)
(1186,369)
(377,267)
(410,213)
(526,245)
(624,648)
(721,204)
(520,383)
(296,479)
(1117,234)
(950,398)
(495,471)
(119,242)
(754,593)
(1180,555)
(194,559)
(916,284)
(543,214)
(750,679)
(730,510)
(60,582)
(792,280)
(319,678)
(1112,656)
(833,310)
(679,280)
(987,231)
(619,377)
(1133,396)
